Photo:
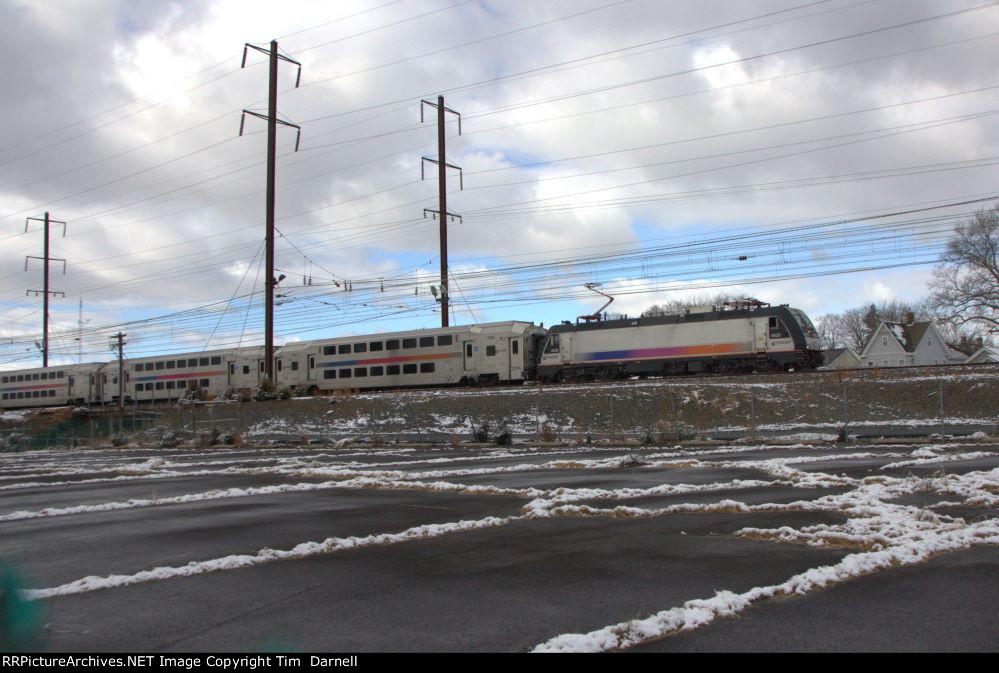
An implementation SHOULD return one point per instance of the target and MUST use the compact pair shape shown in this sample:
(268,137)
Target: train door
(230,374)
(468,354)
(311,375)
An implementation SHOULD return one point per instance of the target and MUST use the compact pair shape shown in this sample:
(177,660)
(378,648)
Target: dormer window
(884,341)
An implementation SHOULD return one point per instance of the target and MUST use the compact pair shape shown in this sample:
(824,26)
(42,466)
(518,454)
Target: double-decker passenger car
(469,354)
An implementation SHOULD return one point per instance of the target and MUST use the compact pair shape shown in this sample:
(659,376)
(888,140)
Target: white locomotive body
(757,338)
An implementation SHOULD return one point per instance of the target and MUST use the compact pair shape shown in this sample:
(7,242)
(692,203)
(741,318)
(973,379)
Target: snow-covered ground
(879,528)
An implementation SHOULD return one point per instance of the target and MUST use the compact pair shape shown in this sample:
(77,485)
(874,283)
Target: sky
(658,148)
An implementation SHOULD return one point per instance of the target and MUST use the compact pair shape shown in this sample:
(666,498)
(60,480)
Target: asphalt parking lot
(815,547)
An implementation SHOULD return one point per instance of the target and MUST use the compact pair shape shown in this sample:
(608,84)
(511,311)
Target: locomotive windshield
(806,324)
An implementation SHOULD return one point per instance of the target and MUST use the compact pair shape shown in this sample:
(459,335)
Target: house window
(884,341)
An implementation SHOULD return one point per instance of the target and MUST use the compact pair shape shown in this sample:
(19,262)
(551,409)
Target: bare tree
(966,284)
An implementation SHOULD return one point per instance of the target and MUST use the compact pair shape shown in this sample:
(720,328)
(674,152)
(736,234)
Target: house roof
(907,336)
(985,354)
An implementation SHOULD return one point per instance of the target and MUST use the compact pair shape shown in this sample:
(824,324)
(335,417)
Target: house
(985,354)
(899,345)
(840,358)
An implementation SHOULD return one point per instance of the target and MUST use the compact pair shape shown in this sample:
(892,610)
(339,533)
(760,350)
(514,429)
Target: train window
(343,349)
(468,350)
(376,346)
(329,373)
(205,383)
(5,394)
(409,369)
(232,369)
(61,374)
(261,363)
(361,348)
(490,351)
(426,367)
(192,362)
(20,377)
(138,367)
(280,366)
(159,385)
(203,362)
(777,329)
(35,393)
(170,385)
(426,342)
(294,365)
(329,350)
(246,369)
(445,340)
(515,345)
(181,364)
(170,364)
(312,362)
(360,372)
(216,359)
(392,345)
(45,376)
(344,373)
(4,380)
(392,370)
(409,343)
(34,377)
(553,344)
(159,365)
(377,371)
(52,393)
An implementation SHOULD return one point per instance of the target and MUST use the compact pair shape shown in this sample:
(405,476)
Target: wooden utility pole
(442,211)
(45,292)
(272,122)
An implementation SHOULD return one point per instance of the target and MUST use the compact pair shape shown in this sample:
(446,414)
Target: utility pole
(272,121)
(121,369)
(45,292)
(442,210)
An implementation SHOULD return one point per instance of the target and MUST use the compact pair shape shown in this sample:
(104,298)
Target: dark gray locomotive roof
(763,311)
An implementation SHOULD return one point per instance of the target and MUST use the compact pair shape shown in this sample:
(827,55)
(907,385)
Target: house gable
(886,348)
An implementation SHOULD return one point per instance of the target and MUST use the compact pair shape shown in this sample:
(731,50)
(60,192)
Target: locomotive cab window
(553,344)
(777,329)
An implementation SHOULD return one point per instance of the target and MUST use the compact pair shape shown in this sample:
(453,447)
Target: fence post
(752,413)
(846,415)
(940,395)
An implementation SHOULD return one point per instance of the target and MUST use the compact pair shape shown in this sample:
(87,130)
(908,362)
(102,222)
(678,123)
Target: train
(742,337)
